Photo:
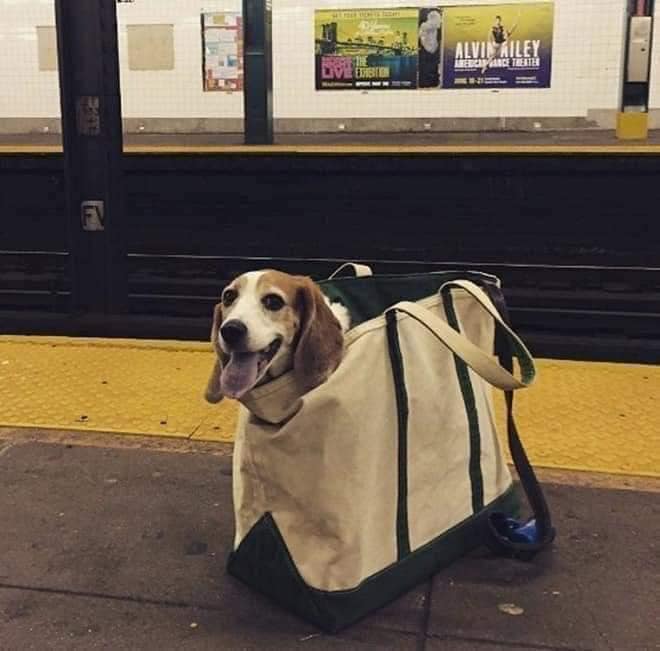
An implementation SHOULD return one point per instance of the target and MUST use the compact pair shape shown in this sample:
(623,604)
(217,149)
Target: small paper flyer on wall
(498,46)
(222,51)
(366,48)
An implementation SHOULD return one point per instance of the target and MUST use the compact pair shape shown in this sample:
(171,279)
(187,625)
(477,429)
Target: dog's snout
(233,332)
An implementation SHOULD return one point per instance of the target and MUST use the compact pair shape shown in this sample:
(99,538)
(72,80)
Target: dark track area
(573,237)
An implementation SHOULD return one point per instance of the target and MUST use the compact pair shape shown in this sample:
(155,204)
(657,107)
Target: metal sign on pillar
(258,95)
(92,139)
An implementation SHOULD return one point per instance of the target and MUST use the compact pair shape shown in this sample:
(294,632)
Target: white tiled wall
(586,62)
(173,93)
(25,91)
(654,88)
(587,66)
(28,92)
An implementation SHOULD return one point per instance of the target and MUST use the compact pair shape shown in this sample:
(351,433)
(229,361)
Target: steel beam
(92,140)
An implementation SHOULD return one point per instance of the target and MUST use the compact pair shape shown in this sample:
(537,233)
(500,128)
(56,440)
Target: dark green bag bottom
(263,562)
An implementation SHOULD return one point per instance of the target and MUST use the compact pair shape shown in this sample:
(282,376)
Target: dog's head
(267,323)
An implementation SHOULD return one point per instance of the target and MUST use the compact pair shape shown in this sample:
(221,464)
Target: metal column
(92,139)
(258,95)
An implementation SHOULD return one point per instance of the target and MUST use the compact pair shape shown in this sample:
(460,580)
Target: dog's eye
(273,302)
(229,296)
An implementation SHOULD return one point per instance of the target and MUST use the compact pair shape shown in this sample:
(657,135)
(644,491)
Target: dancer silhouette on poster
(497,37)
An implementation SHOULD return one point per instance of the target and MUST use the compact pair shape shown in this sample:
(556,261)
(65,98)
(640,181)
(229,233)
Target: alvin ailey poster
(497,46)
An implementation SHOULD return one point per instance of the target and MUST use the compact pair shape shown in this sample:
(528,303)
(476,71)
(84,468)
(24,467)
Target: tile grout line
(100,595)
(509,644)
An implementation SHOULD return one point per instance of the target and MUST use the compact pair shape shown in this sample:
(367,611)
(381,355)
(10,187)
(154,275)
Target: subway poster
(366,49)
(497,46)
(444,47)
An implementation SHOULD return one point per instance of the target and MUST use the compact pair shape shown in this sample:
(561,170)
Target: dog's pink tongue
(240,374)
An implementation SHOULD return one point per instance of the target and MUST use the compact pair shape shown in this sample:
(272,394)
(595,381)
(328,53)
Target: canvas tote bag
(350,494)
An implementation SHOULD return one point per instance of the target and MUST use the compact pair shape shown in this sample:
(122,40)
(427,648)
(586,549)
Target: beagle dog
(268,323)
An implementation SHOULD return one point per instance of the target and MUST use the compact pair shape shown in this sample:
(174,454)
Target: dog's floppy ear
(213,392)
(321,342)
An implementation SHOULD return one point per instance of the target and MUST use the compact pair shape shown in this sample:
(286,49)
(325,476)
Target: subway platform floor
(118,539)
(569,141)
(115,542)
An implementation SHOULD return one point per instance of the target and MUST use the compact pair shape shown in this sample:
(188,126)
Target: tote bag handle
(359,270)
(508,536)
(477,359)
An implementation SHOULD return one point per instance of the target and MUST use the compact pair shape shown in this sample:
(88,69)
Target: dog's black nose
(233,332)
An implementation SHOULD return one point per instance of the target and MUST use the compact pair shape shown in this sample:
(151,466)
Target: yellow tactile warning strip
(591,416)
(110,385)
(579,416)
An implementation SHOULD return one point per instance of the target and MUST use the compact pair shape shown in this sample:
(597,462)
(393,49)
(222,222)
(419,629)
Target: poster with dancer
(366,49)
(222,51)
(498,46)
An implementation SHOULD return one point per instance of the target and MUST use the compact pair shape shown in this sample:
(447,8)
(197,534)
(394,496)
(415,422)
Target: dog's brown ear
(321,342)
(213,393)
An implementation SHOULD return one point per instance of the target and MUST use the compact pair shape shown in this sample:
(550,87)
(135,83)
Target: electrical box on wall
(639,49)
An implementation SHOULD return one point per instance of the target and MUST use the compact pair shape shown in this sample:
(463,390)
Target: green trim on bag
(394,347)
(366,297)
(467,390)
(263,562)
